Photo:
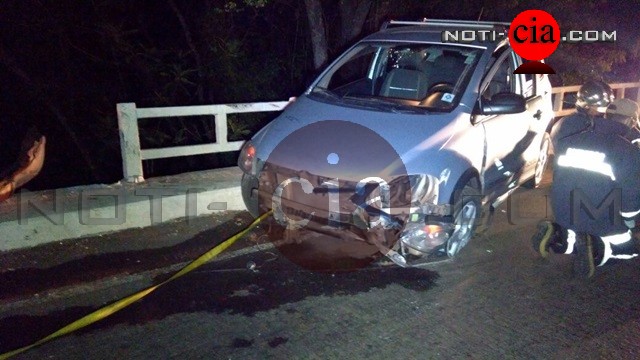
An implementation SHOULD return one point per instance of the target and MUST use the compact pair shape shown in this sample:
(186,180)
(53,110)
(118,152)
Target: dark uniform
(580,121)
(625,112)
(596,187)
(595,193)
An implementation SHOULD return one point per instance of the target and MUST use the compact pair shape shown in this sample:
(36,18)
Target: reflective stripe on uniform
(586,160)
(616,240)
(629,214)
(571,241)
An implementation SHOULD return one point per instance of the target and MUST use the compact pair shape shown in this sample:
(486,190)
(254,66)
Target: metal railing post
(557,103)
(129,142)
(221,128)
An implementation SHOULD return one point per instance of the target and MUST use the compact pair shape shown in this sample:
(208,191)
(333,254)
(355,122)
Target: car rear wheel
(467,212)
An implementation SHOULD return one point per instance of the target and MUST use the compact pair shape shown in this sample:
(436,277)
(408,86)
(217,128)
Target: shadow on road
(243,285)
(56,266)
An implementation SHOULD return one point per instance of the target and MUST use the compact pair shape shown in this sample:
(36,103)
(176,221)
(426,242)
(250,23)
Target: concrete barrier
(32,218)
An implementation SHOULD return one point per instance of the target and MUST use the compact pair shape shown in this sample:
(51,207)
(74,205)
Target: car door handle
(538,114)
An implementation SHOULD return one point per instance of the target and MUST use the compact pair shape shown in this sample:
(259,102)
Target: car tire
(542,163)
(467,211)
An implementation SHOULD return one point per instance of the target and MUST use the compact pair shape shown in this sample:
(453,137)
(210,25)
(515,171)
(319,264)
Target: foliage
(64,65)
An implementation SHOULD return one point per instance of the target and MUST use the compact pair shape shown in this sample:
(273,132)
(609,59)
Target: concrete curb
(34,218)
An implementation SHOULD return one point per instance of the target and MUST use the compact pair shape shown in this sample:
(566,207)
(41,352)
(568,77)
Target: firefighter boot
(584,265)
(549,235)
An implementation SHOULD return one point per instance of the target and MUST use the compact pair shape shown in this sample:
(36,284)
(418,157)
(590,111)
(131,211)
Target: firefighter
(627,113)
(595,194)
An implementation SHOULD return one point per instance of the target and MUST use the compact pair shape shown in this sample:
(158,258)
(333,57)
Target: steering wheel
(440,87)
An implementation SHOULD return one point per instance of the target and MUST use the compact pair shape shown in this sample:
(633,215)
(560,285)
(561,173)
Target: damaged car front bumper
(401,218)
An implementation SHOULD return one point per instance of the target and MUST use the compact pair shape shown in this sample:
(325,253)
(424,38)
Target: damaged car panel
(402,142)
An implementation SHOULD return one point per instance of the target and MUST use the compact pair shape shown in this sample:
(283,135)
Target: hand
(6,189)
(31,163)
(630,223)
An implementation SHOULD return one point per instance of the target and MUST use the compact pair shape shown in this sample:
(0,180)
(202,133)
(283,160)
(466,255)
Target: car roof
(432,30)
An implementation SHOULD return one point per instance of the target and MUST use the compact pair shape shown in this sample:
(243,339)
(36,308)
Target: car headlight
(424,189)
(414,190)
(247,159)
(407,191)
(425,237)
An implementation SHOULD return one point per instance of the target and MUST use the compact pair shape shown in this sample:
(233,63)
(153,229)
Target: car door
(537,92)
(507,136)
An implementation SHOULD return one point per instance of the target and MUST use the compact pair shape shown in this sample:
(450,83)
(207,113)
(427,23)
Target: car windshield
(426,76)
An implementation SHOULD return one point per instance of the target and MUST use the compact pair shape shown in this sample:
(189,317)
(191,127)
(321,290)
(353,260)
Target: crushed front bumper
(398,232)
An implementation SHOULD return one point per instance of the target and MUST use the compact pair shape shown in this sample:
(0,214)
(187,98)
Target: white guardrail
(559,92)
(132,154)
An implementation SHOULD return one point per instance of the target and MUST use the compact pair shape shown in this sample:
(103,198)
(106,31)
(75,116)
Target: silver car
(404,141)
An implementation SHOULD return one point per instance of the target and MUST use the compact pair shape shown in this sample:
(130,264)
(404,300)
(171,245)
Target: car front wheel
(467,211)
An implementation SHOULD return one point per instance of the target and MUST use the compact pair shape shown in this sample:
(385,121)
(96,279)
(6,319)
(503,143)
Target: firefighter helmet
(594,94)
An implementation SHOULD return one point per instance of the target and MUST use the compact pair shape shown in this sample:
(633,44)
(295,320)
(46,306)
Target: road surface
(498,299)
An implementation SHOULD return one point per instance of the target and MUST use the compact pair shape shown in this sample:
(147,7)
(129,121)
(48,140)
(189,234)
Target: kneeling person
(596,170)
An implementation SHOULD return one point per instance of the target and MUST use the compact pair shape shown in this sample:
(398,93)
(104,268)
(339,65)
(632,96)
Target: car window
(529,86)
(503,79)
(355,73)
(425,76)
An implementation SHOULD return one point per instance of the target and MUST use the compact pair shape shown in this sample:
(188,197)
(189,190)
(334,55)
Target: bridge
(29,219)
(497,298)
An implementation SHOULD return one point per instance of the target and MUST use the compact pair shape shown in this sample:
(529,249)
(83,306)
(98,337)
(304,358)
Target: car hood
(312,135)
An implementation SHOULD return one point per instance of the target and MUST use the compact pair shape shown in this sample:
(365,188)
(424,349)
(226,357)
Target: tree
(317,30)
(352,16)
(64,65)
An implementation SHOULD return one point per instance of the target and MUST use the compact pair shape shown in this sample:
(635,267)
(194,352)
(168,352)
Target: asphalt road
(498,299)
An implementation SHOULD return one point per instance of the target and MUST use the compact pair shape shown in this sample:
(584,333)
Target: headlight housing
(414,190)
(247,159)
(406,191)
(424,189)
(425,237)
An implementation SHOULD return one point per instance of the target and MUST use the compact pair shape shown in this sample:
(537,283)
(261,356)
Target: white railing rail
(132,154)
(560,92)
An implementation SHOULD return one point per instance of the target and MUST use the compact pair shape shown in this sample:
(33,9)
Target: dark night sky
(65,64)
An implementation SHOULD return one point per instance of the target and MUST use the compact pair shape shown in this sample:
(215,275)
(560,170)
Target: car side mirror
(503,103)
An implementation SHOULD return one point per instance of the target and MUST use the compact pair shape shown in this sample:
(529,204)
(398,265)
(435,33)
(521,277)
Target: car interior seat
(406,81)
(446,68)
